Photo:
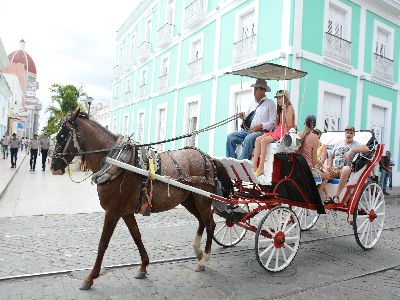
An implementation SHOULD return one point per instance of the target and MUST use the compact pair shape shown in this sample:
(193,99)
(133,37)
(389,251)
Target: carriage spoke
(290,229)
(284,255)
(379,205)
(377,198)
(292,238)
(270,256)
(224,226)
(286,222)
(363,224)
(266,249)
(277,259)
(290,248)
(363,207)
(237,233)
(225,231)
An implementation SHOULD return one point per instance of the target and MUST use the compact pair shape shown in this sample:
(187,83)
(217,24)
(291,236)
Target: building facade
(173,55)
(5,92)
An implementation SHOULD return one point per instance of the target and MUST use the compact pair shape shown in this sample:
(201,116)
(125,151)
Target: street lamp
(88,102)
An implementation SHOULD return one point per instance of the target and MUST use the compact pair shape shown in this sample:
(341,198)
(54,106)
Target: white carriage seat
(242,169)
(330,139)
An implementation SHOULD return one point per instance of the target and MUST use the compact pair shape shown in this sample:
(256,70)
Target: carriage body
(289,190)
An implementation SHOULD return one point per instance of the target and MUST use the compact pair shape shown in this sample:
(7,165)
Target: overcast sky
(71,42)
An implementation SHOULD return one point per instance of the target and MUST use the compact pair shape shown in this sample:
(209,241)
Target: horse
(81,136)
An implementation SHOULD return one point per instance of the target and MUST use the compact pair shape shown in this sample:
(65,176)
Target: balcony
(142,90)
(163,82)
(245,49)
(195,12)
(382,68)
(117,72)
(164,34)
(337,48)
(144,51)
(194,69)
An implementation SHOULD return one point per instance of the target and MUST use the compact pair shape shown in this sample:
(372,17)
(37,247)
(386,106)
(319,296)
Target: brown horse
(119,198)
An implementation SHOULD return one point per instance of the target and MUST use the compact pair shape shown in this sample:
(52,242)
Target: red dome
(22,57)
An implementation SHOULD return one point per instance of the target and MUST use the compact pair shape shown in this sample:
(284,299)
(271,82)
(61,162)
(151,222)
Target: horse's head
(67,144)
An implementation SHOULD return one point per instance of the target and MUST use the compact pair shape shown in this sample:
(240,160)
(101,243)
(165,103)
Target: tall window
(332,108)
(247,26)
(142,85)
(128,90)
(161,127)
(191,122)
(196,52)
(133,46)
(126,124)
(378,122)
(382,42)
(382,58)
(243,100)
(170,11)
(336,22)
(140,131)
(148,30)
(115,125)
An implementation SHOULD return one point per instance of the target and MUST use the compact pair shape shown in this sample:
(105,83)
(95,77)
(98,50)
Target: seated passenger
(340,159)
(285,119)
(260,118)
(309,147)
(321,151)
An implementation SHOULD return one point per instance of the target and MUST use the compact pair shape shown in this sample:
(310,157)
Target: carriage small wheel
(369,216)
(227,233)
(277,239)
(307,217)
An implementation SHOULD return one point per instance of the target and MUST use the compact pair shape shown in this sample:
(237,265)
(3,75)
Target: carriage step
(230,215)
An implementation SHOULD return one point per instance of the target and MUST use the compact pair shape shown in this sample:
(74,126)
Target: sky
(71,42)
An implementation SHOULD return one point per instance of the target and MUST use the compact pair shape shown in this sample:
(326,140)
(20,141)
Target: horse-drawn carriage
(287,195)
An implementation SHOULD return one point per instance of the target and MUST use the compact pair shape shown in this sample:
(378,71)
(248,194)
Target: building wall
(294,33)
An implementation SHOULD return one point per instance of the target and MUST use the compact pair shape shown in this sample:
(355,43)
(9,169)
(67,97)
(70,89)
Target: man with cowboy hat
(259,118)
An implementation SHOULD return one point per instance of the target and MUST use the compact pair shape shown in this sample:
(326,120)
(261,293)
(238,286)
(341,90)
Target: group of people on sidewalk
(265,123)
(34,147)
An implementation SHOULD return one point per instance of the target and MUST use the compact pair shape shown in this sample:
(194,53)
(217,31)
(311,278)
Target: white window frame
(160,147)
(139,112)
(242,12)
(390,31)
(148,20)
(388,116)
(128,88)
(166,56)
(133,48)
(341,91)
(348,16)
(188,100)
(173,11)
(125,131)
(193,40)
(141,82)
(234,89)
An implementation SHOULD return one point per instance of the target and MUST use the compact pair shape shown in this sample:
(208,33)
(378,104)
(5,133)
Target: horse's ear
(75,114)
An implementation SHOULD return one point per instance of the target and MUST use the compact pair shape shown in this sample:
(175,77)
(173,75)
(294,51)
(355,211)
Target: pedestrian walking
(391,171)
(33,149)
(5,141)
(44,149)
(14,146)
(22,143)
(384,167)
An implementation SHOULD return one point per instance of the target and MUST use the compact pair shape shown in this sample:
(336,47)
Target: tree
(65,98)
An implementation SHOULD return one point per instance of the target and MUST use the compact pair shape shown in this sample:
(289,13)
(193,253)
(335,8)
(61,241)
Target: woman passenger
(309,147)
(285,119)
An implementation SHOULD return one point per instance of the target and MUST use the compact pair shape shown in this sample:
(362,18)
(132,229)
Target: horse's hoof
(200,268)
(141,275)
(86,285)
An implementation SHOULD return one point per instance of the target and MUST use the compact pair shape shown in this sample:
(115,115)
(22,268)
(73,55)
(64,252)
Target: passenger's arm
(289,116)
(271,116)
(315,142)
(323,154)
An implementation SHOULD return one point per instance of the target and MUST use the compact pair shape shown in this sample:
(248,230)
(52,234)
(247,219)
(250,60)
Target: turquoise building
(172,57)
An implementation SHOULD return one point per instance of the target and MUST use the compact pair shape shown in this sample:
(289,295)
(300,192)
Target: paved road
(59,230)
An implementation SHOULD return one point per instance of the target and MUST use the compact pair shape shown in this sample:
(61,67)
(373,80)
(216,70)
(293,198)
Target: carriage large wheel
(227,233)
(307,217)
(369,216)
(277,239)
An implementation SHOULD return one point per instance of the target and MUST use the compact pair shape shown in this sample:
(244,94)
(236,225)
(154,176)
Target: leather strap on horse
(206,159)
(177,166)
(145,197)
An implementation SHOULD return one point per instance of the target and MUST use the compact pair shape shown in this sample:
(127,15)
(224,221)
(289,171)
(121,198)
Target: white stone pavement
(41,193)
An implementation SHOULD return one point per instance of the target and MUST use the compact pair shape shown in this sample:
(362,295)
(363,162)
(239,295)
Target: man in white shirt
(260,118)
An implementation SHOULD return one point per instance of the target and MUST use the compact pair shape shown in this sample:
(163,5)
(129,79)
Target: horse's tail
(223,177)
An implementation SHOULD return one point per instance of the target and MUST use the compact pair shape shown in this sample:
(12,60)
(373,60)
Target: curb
(12,177)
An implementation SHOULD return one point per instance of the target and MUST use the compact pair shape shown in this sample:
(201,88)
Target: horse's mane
(96,124)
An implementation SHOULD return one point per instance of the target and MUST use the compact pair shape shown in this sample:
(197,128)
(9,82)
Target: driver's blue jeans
(246,138)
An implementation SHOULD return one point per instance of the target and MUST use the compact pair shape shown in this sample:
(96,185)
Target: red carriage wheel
(277,239)
(369,216)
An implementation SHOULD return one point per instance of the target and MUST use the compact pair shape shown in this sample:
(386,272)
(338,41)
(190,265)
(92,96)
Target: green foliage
(65,99)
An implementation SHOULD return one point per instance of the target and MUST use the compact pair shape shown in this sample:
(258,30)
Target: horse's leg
(108,228)
(131,223)
(203,205)
(191,207)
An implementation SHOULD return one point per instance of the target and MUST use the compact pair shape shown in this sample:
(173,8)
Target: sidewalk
(6,172)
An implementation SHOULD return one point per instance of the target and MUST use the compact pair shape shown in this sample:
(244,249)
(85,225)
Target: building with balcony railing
(349,48)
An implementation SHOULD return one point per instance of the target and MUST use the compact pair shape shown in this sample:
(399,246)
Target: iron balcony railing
(245,49)
(163,81)
(195,11)
(195,68)
(337,48)
(164,34)
(383,67)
